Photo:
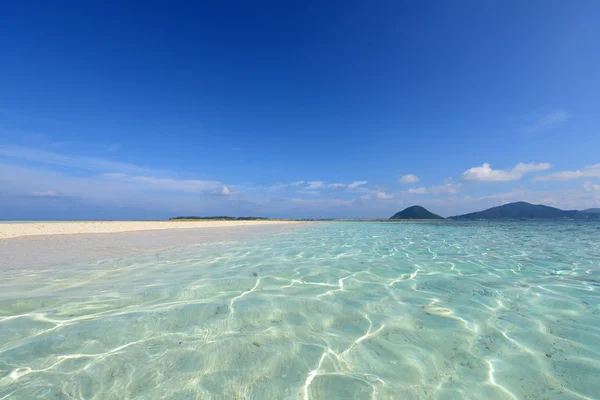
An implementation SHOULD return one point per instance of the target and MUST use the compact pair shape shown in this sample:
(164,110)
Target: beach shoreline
(22,229)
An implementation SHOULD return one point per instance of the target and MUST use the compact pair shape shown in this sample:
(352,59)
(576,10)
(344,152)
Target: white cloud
(44,194)
(409,178)
(549,120)
(298,183)
(337,185)
(589,171)
(356,184)
(384,196)
(447,188)
(486,174)
(312,185)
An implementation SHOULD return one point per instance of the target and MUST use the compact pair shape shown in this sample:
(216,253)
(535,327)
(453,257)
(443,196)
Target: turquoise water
(445,310)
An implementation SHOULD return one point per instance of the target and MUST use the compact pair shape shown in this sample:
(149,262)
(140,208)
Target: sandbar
(19,229)
(49,244)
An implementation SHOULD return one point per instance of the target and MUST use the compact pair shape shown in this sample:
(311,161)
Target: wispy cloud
(548,121)
(45,194)
(485,173)
(591,187)
(418,190)
(447,188)
(409,178)
(589,171)
(138,196)
(356,184)
(183,185)
(225,191)
(115,171)
(79,162)
(384,196)
(320,187)
(312,185)
(286,186)
(309,192)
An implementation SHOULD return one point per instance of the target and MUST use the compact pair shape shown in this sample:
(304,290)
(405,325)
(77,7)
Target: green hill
(524,210)
(415,212)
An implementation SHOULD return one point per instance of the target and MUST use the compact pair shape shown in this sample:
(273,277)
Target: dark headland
(524,210)
(415,212)
(518,210)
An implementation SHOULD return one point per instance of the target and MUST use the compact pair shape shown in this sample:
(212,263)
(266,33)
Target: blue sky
(303,109)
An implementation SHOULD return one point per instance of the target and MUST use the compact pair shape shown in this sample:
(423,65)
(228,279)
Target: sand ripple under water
(445,310)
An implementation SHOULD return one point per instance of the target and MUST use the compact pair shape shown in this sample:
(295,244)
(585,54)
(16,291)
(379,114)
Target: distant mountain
(591,211)
(415,212)
(521,209)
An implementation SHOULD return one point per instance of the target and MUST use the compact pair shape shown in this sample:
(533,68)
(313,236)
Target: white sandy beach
(15,230)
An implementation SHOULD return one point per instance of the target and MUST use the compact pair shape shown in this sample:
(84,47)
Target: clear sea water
(442,310)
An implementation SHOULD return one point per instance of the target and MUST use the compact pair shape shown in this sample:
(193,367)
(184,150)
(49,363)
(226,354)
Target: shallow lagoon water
(440,310)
